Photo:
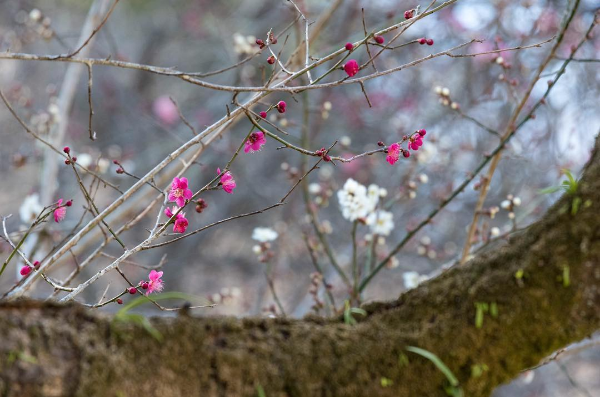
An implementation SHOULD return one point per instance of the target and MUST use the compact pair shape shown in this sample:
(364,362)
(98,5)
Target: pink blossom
(351,67)
(181,223)
(393,153)
(165,110)
(155,284)
(179,191)
(170,211)
(227,181)
(60,212)
(255,142)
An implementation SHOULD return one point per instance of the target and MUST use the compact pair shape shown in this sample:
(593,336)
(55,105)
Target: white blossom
(381,222)
(264,234)
(244,44)
(314,188)
(413,279)
(30,208)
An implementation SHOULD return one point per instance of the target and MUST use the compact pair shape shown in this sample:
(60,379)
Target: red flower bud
(271,60)
(263,114)
(132,290)
(349,46)
(351,67)
(69,203)
(281,106)
(25,270)
(422,40)
(379,39)
(120,301)
(66,149)
(409,14)
(429,41)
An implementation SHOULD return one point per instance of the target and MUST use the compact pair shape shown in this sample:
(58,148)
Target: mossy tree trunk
(51,350)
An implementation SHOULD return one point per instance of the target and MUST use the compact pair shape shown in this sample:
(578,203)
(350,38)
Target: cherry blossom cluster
(415,141)
(509,205)
(31,210)
(444,93)
(425,248)
(153,284)
(181,195)
(359,203)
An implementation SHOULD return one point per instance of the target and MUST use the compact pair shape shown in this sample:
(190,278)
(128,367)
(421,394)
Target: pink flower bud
(132,290)
(25,270)
(67,149)
(406,153)
(263,114)
(69,203)
(429,41)
(145,285)
(422,40)
(271,60)
(379,39)
(120,301)
(281,106)
(409,14)
(422,132)
(351,67)
(349,46)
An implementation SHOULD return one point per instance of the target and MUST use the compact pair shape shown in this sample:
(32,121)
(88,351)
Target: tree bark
(52,350)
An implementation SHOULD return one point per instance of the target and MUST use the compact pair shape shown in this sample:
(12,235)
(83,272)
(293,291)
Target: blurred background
(138,125)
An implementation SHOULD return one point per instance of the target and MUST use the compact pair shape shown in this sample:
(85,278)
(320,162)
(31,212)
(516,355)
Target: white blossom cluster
(359,202)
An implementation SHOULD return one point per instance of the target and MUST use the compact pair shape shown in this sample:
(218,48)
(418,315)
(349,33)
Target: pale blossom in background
(30,208)
(413,279)
(165,110)
(264,234)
